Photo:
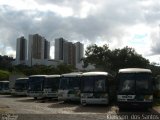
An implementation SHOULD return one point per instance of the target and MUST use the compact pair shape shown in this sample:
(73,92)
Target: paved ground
(27,108)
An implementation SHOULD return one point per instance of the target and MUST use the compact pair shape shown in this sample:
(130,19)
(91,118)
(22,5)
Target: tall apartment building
(79,51)
(21,50)
(38,49)
(46,49)
(59,48)
(68,52)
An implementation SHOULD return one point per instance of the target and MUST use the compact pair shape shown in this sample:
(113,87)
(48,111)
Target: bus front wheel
(35,98)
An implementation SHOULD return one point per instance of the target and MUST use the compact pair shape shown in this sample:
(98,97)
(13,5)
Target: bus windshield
(52,83)
(4,85)
(0,86)
(21,85)
(134,83)
(94,84)
(143,82)
(70,83)
(35,83)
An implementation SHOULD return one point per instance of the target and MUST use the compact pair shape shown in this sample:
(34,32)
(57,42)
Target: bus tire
(83,103)
(35,98)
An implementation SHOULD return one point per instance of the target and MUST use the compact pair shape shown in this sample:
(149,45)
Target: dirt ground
(27,108)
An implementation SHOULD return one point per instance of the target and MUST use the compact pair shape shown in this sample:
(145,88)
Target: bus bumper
(135,104)
(69,98)
(23,93)
(35,94)
(5,92)
(50,95)
(94,101)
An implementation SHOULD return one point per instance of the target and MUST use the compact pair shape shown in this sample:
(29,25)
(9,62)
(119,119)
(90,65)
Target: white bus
(157,86)
(21,87)
(35,86)
(43,86)
(4,87)
(51,86)
(135,88)
(69,88)
(96,88)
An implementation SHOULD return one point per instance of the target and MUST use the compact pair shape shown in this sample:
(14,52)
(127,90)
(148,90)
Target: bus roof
(134,70)
(52,76)
(4,81)
(73,74)
(94,73)
(38,76)
(22,78)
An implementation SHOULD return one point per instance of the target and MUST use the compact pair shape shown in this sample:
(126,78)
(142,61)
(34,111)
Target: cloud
(155,37)
(94,21)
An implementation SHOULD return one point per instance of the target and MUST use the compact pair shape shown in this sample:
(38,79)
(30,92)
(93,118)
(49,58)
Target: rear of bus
(95,88)
(51,86)
(35,86)
(21,86)
(69,88)
(135,88)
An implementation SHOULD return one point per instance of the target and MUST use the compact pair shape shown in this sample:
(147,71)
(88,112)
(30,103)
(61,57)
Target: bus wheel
(83,103)
(35,98)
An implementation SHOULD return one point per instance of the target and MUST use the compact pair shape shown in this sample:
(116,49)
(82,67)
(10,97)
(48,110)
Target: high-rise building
(38,49)
(68,52)
(46,49)
(21,50)
(79,51)
(59,48)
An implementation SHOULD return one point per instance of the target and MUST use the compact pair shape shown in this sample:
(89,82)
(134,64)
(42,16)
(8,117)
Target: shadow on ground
(93,109)
(11,96)
(38,100)
(61,104)
(136,111)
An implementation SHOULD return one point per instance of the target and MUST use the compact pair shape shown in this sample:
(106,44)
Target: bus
(134,88)
(35,86)
(51,86)
(97,88)
(4,87)
(69,88)
(43,86)
(21,87)
(157,86)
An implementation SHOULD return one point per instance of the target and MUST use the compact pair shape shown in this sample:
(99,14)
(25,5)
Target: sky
(118,23)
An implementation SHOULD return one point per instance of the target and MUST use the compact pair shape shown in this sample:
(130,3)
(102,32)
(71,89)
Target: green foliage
(4,75)
(41,69)
(112,60)
(102,57)
(155,69)
(5,62)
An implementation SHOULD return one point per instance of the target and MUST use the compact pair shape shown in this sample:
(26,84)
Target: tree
(100,56)
(112,60)
(6,62)
(127,57)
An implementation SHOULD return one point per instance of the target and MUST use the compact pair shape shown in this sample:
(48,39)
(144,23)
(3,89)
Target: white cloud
(118,23)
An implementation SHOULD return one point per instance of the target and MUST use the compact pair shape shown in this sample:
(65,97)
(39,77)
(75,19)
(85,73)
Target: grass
(4,75)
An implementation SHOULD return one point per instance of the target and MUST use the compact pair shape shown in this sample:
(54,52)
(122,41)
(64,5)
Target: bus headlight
(83,96)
